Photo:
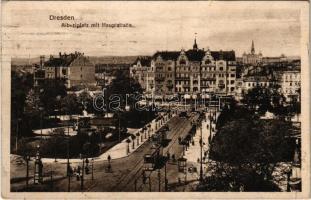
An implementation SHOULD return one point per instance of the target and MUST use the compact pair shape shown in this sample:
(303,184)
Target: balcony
(221,85)
(186,85)
(208,79)
(159,79)
(182,78)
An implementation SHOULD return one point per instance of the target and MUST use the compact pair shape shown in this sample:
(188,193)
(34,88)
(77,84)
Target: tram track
(162,179)
(124,184)
(137,168)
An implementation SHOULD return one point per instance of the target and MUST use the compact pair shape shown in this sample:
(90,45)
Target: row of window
(294,84)
(186,75)
(292,76)
(258,84)
(195,89)
(290,91)
(195,82)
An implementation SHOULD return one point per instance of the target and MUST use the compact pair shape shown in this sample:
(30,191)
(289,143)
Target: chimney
(60,54)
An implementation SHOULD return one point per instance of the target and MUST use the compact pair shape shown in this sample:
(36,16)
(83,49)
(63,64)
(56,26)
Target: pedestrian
(79,170)
(87,170)
(74,171)
(87,162)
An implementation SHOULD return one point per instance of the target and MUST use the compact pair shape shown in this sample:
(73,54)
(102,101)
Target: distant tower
(253,47)
(195,46)
(42,59)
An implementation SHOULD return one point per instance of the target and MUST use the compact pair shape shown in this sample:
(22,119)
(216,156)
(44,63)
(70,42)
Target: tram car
(159,137)
(154,158)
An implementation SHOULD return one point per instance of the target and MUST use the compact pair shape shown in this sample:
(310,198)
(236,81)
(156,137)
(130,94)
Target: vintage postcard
(155,99)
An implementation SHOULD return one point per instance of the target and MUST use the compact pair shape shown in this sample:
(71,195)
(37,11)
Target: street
(125,171)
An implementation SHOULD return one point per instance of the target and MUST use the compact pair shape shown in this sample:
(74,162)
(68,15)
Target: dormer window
(207,62)
(182,62)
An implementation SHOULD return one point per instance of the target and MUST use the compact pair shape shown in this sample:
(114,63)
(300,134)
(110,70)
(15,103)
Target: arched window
(182,62)
(207,62)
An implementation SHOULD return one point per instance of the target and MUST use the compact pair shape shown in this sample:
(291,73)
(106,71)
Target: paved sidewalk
(193,152)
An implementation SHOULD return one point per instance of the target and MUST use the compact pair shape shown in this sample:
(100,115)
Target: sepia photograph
(155,97)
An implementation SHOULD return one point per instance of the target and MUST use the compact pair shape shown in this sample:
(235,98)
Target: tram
(154,158)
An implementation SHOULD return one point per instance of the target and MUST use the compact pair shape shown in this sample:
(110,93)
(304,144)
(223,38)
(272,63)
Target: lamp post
(166,181)
(68,163)
(145,132)
(51,176)
(133,141)
(159,179)
(109,163)
(119,115)
(38,168)
(17,130)
(41,135)
(128,141)
(92,168)
(82,177)
(137,137)
(201,146)
(149,129)
(27,159)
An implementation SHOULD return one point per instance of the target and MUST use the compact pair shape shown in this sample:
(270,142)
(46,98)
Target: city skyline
(157,27)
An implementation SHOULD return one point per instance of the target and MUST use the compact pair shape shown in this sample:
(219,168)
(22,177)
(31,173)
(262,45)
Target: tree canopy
(246,150)
(263,99)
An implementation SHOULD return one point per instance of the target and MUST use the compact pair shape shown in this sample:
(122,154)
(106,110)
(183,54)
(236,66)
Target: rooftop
(196,55)
(63,60)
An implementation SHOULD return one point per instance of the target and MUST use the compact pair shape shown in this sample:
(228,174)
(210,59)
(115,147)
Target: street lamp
(82,176)
(142,135)
(133,141)
(41,110)
(17,130)
(27,159)
(38,168)
(128,141)
(149,129)
(201,146)
(137,136)
(109,163)
(92,168)
(68,163)
(145,131)
(119,115)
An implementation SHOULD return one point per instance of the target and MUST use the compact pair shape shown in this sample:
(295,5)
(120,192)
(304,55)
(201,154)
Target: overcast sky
(275,28)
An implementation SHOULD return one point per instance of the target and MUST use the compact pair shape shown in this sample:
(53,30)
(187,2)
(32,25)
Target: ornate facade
(189,72)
